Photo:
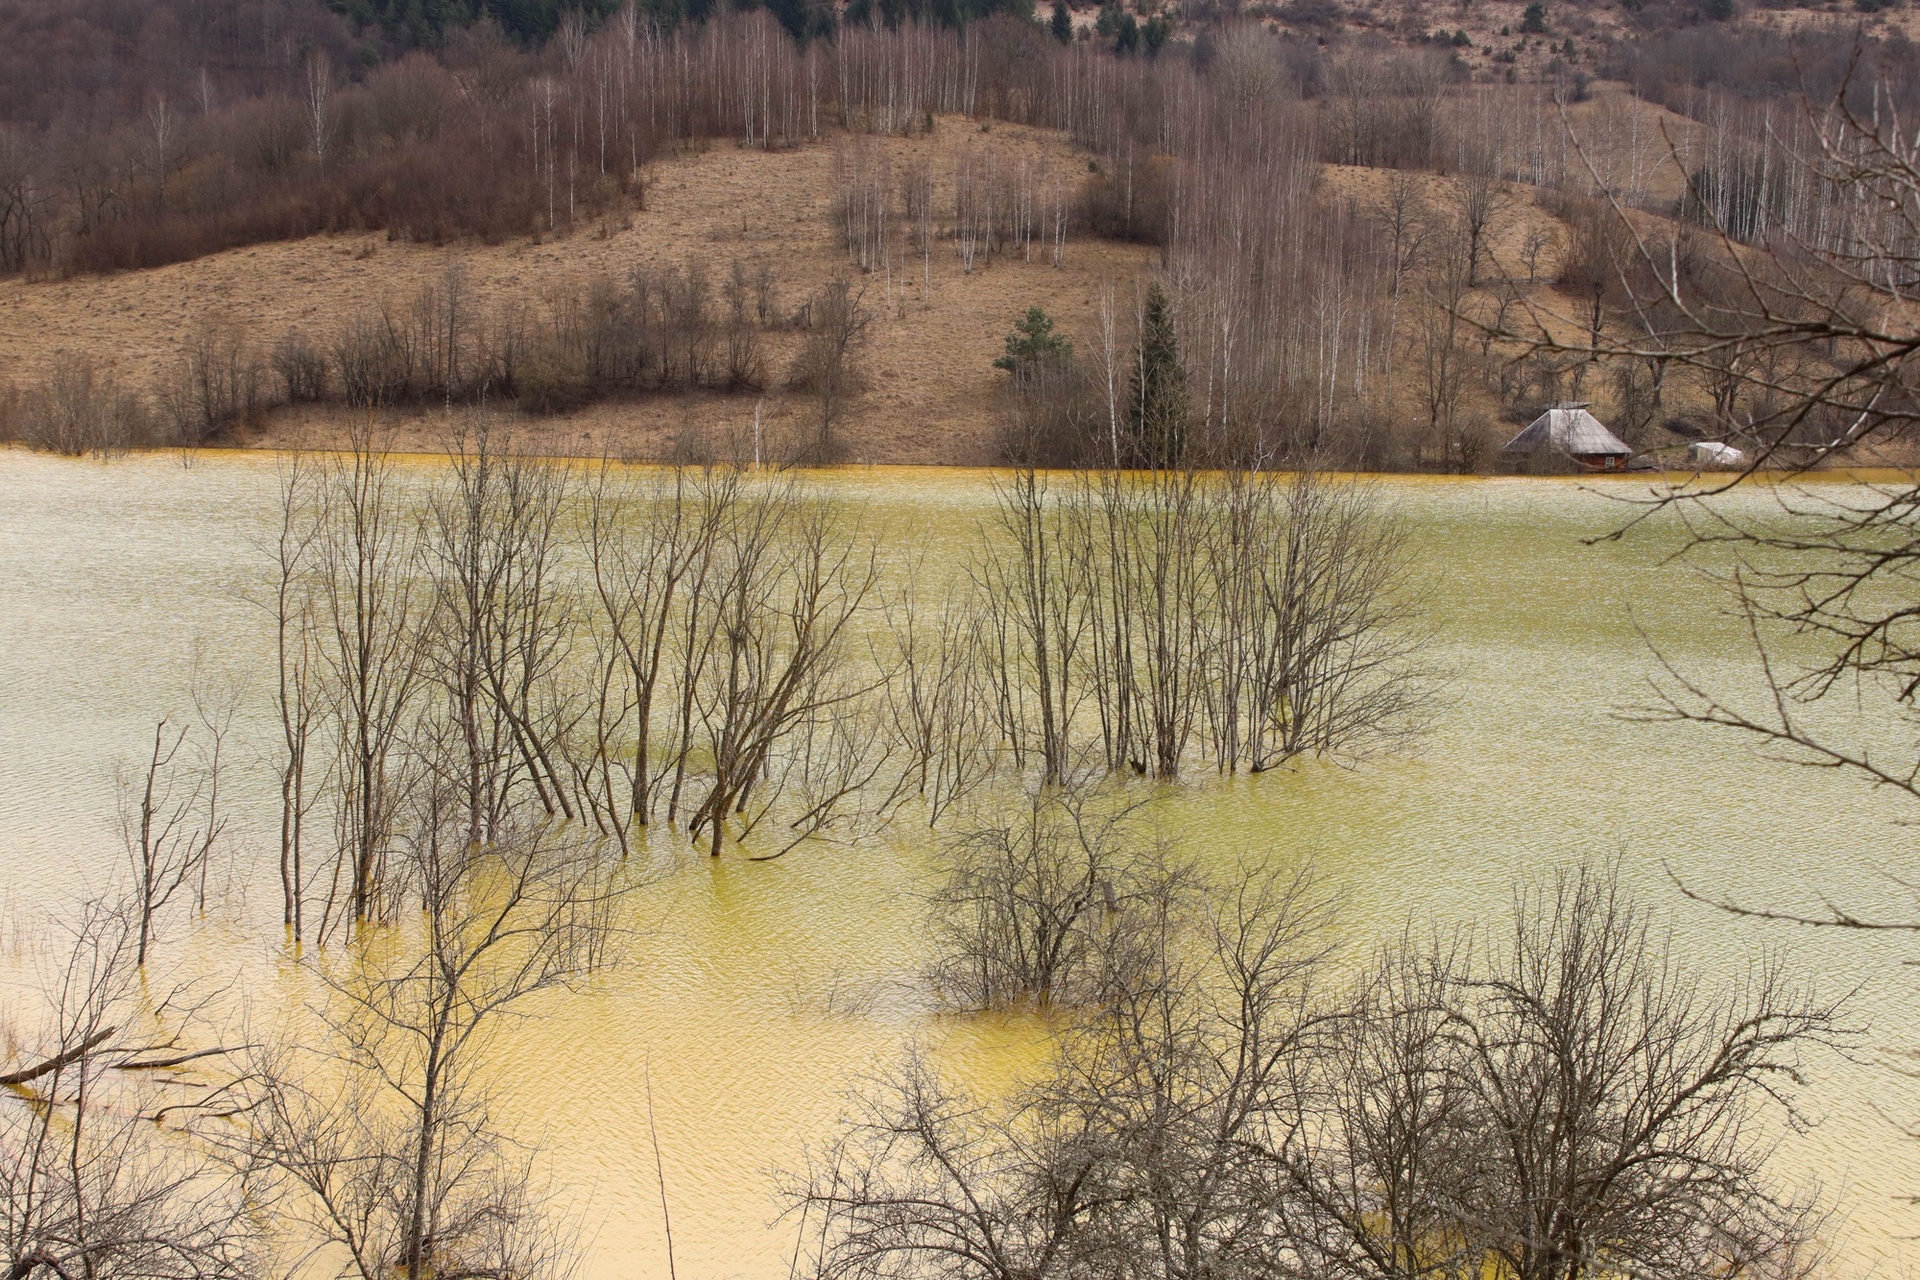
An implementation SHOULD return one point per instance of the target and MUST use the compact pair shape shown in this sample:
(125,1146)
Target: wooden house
(1569,430)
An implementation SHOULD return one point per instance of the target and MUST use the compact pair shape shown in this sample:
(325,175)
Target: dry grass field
(932,395)
(927,363)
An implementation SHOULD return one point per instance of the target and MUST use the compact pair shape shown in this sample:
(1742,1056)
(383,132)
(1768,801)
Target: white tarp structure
(1570,429)
(1711,453)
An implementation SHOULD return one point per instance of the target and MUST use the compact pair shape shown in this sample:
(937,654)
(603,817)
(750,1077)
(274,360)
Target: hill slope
(927,362)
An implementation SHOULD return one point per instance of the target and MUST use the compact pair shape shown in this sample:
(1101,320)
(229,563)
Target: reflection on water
(755,994)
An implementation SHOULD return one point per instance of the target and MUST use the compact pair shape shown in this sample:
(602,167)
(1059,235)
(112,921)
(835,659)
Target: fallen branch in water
(59,1060)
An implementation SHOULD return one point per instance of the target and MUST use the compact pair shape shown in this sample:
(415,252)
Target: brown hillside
(932,395)
(928,365)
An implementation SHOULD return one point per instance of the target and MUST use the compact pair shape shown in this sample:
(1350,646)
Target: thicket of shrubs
(1552,1095)
(650,331)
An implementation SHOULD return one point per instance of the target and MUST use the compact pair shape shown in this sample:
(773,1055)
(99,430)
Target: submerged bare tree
(939,704)
(499,630)
(1036,626)
(1616,1095)
(1244,617)
(296,690)
(82,410)
(1377,1185)
(97,1176)
(779,707)
(1568,1102)
(649,545)
(730,684)
(1029,896)
(368,615)
(1135,1152)
(171,818)
(379,1135)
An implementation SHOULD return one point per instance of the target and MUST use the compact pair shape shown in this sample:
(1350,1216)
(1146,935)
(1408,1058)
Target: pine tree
(1155,33)
(1033,348)
(1157,416)
(1062,22)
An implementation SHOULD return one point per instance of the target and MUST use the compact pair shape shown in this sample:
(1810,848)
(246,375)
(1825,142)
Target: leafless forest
(509,692)
(506,689)
(1376,320)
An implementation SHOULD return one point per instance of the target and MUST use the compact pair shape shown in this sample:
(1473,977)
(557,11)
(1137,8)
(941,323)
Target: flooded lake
(752,995)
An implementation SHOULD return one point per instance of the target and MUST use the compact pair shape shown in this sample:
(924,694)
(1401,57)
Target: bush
(553,380)
(1127,200)
(9,413)
(216,385)
(1234,1098)
(1054,419)
(82,410)
(372,361)
(301,368)
(1032,900)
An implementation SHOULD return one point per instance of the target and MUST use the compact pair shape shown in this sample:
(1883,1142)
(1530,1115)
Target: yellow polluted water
(751,997)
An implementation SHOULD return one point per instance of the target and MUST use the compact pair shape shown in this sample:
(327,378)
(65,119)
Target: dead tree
(1381,1180)
(171,821)
(377,1132)
(1244,618)
(1029,891)
(777,701)
(648,545)
(500,627)
(938,704)
(1140,1147)
(1335,665)
(1036,626)
(1565,1103)
(296,687)
(98,1179)
(370,618)
(1618,1097)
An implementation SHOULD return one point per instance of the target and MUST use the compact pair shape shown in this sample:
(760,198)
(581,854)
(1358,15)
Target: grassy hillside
(931,389)
(671,244)
(928,392)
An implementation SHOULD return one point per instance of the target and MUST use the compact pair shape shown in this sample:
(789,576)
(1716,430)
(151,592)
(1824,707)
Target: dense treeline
(420,21)
(131,139)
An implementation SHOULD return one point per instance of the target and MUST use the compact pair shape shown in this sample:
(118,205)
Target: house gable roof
(1570,429)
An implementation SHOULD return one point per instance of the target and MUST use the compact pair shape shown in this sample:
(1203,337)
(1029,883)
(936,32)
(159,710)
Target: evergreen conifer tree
(1157,415)
(1033,348)
(1155,33)
(1062,22)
